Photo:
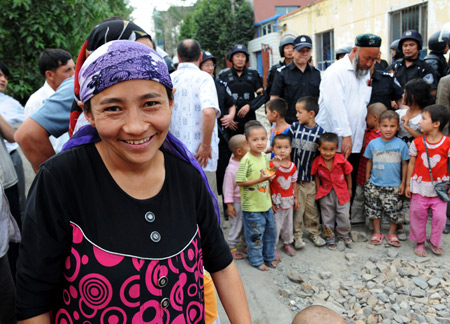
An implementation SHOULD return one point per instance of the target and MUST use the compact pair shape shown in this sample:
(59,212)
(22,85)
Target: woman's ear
(88,115)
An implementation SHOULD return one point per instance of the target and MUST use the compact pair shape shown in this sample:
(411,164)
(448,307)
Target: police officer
(287,52)
(385,89)
(297,79)
(438,44)
(340,52)
(243,83)
(411,66)
(228,111)
(395,51)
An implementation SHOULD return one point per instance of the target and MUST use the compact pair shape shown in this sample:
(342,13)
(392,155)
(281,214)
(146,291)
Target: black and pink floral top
(93,254)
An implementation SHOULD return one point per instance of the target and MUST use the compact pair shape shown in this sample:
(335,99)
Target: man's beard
(358,71)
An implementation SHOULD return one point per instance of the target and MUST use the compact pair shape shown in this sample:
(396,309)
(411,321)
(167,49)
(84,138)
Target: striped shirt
(304,142)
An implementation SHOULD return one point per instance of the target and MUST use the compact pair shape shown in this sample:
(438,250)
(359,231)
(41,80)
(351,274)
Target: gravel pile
(382,288)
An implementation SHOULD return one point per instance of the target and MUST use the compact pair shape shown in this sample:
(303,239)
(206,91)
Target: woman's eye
(151,103)
(114,108)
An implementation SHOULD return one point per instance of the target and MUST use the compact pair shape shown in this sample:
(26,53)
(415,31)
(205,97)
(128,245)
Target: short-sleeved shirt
(196,91)
(12,111)
(255,198)
(304,142)
(387,160)
(418,69)
(413,123)
(292,84)
(334,178)
(282,188)
(368,136)
(54,115)
(439,153)
(385,88)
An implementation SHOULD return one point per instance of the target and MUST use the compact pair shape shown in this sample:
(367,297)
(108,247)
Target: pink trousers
(418,214)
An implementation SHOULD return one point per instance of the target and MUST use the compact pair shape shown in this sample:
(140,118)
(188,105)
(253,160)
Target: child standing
(385,178)
(231,194)
(284,195)
(276,110)
(305,136)
(334,189)
(372,132)
(420,187)
(253,180)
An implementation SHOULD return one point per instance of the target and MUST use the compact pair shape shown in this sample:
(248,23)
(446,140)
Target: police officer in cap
(340,52)
(411,66)
(297,79)
(243,83)
(438,44)
(225,121)
(287,52)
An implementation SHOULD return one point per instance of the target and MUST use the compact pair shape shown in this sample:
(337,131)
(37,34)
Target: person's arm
(204,150)
(413,132)
(228,119)
(401,189)
(40,319)
(7,130)
(412,161)
(252,182)
(368,169)
(348,178)
(296,202)
(232,294)
(35,143)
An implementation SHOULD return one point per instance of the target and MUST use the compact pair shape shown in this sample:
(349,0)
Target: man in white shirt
(196,109)
(55,65)
(344,95)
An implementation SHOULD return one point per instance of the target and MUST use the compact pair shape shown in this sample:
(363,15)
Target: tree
(217,27)
(29,26)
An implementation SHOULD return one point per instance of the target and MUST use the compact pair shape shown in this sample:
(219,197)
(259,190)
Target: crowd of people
(122,222)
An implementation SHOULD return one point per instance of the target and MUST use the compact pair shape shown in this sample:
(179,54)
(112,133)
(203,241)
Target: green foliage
(217,28)
(28,27)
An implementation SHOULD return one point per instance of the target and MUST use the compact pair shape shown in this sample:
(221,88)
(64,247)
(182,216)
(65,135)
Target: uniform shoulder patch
(222,82)
(391,74)
(429,78)
(222,72)
(281,68)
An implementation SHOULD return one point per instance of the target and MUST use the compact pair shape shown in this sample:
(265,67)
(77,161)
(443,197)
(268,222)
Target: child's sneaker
(288,249)
(299,243)
(236,254)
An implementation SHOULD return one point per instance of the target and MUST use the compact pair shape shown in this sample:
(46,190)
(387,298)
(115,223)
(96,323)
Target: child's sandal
(436,250)
(332,247)
(393,240)
(420,250)
(236,254)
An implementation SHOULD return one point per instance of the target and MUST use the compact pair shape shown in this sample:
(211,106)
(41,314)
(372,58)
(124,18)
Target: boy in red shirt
(373,131)
(334,189)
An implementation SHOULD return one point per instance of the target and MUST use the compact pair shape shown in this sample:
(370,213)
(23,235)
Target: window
(325,50)
(284,9)
(414,17)
(266,29)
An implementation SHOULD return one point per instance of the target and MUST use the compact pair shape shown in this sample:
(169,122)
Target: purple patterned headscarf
(117,61)
(124,60)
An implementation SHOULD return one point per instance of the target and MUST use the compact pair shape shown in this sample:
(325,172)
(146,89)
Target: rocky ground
(365,284)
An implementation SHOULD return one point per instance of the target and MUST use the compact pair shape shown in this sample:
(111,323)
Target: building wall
(266,8)
(348,18)
(254,46)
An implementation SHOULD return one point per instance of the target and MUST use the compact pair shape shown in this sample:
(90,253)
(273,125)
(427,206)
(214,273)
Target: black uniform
(385,88)
(381,66)
(418,69)
(292,84)
(243,89)
(225,102)
(438,63)
(271,76)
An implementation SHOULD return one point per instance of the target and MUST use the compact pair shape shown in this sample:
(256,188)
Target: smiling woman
(121,239)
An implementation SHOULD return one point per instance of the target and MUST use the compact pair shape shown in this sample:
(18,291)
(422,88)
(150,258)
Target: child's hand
(401,189)
(231,211)
(408,192)
(296,204)
(274,208)
(350,191)
(276,161)
(265,176)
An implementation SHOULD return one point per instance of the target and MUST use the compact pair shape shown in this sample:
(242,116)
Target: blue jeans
(260,235)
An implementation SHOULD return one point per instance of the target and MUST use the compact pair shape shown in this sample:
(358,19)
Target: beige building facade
(335,23)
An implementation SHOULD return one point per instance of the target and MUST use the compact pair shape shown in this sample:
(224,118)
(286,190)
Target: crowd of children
(269,200)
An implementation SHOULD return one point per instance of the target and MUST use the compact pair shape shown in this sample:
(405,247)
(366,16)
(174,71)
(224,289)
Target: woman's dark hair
(438,113)
(328,137)
(87,104)
(418,92)
(5,70)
